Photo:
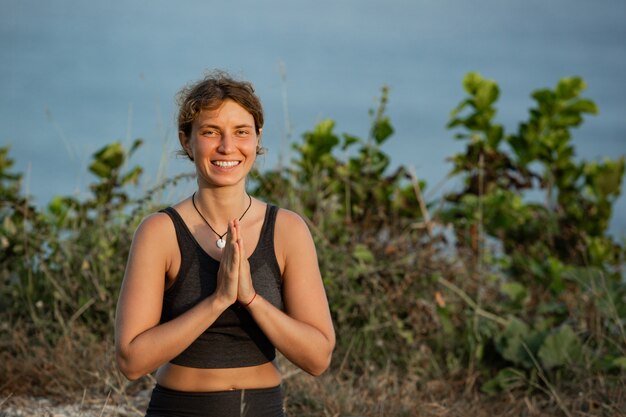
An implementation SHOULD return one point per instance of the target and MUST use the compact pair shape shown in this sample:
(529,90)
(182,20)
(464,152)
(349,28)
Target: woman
(217,282)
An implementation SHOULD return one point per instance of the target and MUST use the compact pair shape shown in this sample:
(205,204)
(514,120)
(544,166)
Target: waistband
(161,388)
(248,402)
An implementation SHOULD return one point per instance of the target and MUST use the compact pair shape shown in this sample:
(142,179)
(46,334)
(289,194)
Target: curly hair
(210,92)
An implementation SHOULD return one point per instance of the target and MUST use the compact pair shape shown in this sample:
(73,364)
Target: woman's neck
(220,205)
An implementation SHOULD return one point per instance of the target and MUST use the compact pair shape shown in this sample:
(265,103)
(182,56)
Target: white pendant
(220,243)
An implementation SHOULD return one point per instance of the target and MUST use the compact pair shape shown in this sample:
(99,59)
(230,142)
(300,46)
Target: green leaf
(455,112)
(58,206)
(560,348)
(515,291)
(494,136)
(136,144)
(583,106)
(382,130)
(620,362)
(544,97)
(318,144)
(349,140)
(132,176)
(507,379)
(325,127)
(107,159)
(100,169)
(487,94)
(113,155)
(471,81)
(605,178)
(362,253)
(570,87)
(510,343)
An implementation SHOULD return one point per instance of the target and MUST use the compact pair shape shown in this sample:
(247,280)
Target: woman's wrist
(221,304)
(251,300)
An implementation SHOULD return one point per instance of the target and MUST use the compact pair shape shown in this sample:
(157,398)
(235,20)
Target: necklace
(220,242)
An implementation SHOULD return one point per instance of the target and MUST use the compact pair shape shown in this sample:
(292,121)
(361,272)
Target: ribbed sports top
(234,339)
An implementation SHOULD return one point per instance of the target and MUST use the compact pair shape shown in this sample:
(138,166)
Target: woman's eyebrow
(239,126)
(205,125)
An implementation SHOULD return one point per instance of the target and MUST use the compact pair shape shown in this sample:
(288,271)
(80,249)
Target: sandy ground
(43,407)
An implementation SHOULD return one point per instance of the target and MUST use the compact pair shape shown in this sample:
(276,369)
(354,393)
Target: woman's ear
(184,143)
(260,150)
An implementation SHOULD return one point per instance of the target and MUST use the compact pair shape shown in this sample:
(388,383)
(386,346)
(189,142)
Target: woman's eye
(242,132)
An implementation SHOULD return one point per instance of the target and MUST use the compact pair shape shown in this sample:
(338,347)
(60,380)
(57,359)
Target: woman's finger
(246,290)
(228,274)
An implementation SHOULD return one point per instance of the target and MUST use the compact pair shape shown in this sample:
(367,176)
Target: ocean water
(77,75)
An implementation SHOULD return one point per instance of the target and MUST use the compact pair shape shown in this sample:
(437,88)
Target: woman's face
(222,144)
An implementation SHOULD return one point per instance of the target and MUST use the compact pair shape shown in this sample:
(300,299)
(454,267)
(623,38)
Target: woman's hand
(228,274)
(303,332)
(245,291)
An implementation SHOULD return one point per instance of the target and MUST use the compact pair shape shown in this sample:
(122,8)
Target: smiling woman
(208,313)
(223,143)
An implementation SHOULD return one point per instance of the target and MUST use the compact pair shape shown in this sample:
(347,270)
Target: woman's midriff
(182,378)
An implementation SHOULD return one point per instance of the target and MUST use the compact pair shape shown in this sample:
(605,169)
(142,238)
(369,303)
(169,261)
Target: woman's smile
(226,164)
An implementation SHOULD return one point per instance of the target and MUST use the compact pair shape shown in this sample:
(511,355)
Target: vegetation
(509,285)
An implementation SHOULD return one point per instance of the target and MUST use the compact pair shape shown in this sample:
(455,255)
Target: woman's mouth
(225,164)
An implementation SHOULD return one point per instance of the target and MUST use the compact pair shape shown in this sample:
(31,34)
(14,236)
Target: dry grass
(79,378)
(388,393)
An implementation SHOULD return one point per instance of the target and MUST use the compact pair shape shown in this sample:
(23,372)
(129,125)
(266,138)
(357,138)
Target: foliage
(555,251)
(336,194)
(64,263)
(490,284)
(370,236)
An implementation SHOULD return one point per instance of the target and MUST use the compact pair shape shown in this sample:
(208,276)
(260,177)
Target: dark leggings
(258,402)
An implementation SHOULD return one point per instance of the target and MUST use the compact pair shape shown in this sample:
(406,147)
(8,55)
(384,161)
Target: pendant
(220,243)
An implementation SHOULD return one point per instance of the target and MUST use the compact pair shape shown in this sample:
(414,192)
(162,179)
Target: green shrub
(558,266)
(487,284)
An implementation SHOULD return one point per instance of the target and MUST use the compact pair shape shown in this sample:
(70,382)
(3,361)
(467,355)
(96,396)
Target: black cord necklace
(219,242)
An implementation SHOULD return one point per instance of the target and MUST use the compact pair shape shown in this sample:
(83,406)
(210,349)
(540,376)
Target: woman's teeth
(225,164)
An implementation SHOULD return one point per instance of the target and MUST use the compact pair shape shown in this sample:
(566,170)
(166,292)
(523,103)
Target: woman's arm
(304,332)
(141,343)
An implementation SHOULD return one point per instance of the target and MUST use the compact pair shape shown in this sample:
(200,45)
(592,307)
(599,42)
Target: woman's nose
(226,144)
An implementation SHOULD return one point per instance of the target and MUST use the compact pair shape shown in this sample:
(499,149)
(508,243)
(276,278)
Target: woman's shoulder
(291,226)
(288,218)
(294,244)
(155,224)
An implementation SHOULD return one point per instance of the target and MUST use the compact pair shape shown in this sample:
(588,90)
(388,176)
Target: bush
(487,285)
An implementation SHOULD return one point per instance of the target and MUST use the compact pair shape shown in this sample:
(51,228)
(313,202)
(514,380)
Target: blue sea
(76,75)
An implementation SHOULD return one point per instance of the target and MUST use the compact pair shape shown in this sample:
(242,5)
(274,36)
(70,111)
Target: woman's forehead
(228,110)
